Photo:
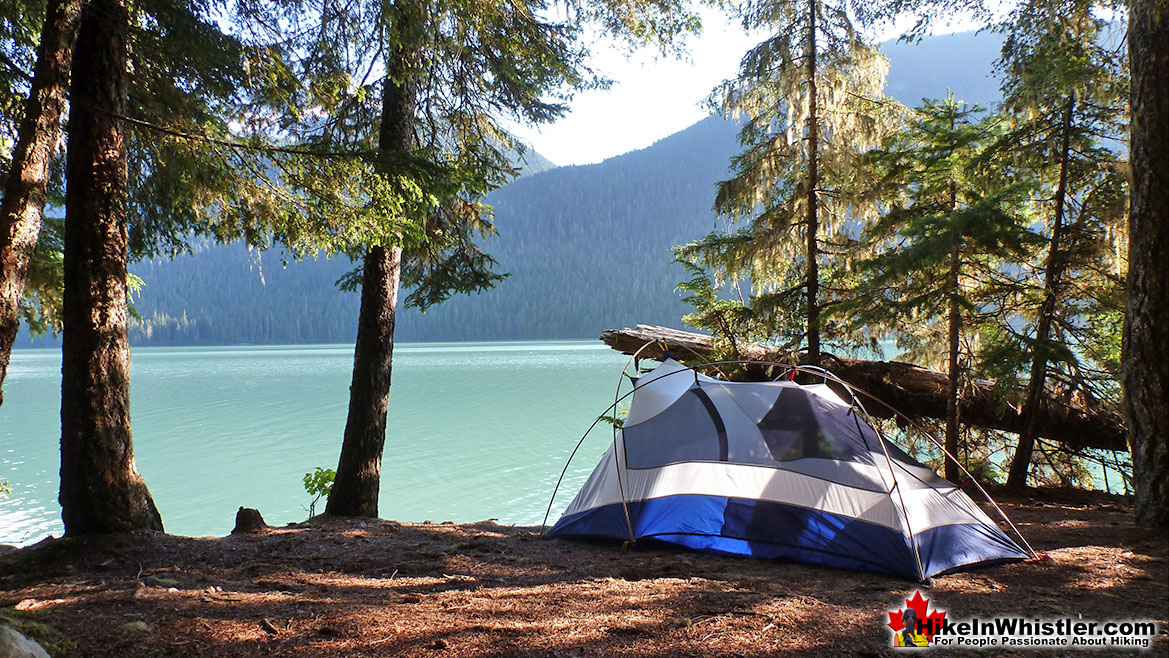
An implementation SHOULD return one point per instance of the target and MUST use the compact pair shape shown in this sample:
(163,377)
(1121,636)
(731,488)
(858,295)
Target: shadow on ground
(379,588)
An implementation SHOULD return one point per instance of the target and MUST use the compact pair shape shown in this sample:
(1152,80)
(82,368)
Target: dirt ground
(381,588)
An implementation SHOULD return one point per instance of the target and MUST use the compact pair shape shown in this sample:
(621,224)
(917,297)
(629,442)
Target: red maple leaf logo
(930,623)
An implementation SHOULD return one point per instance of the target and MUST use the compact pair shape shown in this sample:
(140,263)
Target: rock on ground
(15,645)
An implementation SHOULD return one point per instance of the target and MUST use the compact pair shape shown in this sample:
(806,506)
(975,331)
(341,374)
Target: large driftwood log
(911,390)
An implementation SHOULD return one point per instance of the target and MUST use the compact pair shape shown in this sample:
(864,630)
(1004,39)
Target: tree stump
(248,520)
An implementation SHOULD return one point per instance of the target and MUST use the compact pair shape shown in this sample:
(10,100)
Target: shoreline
(375,587)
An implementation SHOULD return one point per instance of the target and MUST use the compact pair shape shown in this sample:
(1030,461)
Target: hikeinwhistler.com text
(1020,632)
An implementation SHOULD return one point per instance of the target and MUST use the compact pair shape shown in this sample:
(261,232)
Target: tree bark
(911,390)
(953,334)
(1053,273)
(358,480)
(954,329)
(1145,360)
(101,490)
(812,262)
(22,209)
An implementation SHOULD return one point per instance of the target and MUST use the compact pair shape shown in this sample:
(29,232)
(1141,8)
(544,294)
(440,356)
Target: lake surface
(476,431)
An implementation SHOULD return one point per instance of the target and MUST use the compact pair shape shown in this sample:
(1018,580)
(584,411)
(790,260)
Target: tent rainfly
(777,470)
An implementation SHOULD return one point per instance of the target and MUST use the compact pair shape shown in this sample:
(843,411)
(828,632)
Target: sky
(654,96)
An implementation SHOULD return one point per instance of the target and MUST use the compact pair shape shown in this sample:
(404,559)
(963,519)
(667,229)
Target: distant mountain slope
(532,162)
(587,247)
(962,63)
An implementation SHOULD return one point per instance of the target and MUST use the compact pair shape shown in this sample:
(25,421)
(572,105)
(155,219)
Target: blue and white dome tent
(777,470)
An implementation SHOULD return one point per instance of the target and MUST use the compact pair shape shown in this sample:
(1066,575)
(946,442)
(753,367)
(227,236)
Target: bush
(318,484)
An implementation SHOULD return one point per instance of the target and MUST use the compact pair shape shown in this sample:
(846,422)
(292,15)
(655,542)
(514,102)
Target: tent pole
(896,486)
(621,486)
(856,403)
(564,471)
(617,459)
(853,390)
(556,489)
(984,491)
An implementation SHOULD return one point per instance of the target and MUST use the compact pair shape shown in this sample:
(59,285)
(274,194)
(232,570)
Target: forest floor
(380,588)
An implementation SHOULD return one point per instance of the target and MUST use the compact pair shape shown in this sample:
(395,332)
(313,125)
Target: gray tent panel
(680,433)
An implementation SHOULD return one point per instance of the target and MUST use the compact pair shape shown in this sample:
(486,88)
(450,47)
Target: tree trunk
(101,490)
(358,481)
(1145,362)
(812,263)
(1074,421)
(954,328)
(953,334)
(1021,462)
(25,190)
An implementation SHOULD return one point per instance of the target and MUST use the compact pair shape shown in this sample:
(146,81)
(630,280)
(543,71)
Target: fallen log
(911,390)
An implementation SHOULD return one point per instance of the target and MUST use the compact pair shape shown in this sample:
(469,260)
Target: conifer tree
(454,73)
(947,227)
(810,100)
(29,169)
(101,490)
(1146,333)
(1065,88)
(145,78)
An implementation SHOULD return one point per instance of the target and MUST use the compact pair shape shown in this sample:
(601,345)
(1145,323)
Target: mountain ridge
(587,246)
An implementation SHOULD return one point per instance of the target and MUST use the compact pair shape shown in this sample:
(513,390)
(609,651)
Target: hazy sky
(653,96)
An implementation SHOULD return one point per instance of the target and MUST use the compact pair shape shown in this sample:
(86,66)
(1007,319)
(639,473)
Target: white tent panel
(669,381)
(930,508)
(734,481)
(777,469)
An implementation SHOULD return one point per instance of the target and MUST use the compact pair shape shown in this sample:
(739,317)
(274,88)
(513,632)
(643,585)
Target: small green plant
(615,421)
(617,418)
(318,484)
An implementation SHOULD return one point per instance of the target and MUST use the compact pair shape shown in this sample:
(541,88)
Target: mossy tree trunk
(25,191)
(953,341)
(1145,361)
(101,490)
(813,261)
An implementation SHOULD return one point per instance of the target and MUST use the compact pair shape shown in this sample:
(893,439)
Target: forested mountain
(587,247)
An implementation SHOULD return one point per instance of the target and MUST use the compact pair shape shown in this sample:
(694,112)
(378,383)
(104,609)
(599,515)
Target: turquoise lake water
(476,430)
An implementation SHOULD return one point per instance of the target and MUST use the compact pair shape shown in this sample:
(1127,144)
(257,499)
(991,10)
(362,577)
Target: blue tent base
(722,525)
